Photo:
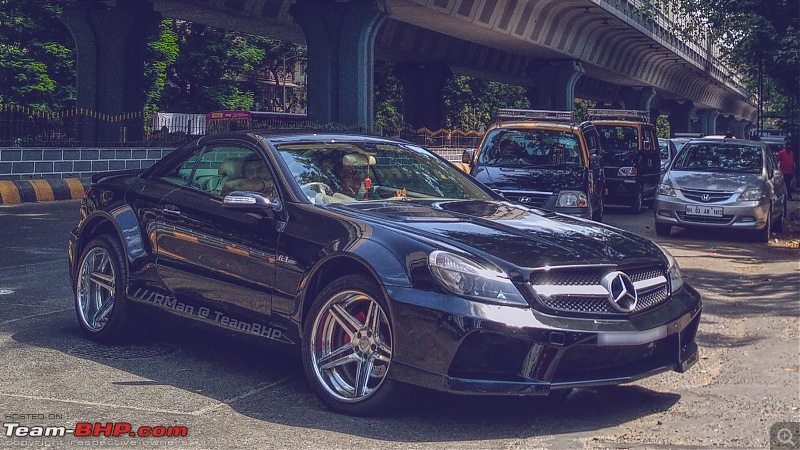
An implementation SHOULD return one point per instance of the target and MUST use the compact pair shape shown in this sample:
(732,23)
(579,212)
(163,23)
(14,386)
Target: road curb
(41,190)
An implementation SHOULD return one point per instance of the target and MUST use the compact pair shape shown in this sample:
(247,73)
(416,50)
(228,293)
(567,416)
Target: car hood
(546,179)
(507,233)
(713,181)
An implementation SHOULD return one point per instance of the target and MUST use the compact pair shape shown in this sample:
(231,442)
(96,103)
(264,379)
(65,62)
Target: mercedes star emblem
(621,292)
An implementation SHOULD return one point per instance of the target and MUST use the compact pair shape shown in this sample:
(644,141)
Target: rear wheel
(663,229)
(100,302)
(348,348)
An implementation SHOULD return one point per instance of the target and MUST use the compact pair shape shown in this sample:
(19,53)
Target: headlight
(627,172)
(665,189)
(571,198)
(480,281)
(673,271)
(751,195)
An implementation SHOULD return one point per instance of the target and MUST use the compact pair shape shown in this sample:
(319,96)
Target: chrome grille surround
(706,196)
(532,198)
(577,289)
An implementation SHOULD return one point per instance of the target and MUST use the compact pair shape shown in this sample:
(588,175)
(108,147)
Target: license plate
(700,210)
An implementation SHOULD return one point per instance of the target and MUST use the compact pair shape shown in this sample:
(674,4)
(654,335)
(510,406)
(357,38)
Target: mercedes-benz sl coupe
(380,263)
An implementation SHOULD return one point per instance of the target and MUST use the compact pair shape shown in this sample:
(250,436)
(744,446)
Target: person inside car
(257,178)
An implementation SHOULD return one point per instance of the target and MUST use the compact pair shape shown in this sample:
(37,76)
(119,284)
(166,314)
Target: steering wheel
(316,187)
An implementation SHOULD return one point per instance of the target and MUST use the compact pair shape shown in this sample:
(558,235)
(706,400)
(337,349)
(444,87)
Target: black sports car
(382,263)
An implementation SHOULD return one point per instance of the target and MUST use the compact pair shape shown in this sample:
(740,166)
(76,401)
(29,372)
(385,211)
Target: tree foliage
(472,103)
(751,34)
(37,64)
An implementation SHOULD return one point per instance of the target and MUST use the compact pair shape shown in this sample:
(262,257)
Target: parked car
(631,156)
(415,275)
(722,183)
(542,159)
(668,151)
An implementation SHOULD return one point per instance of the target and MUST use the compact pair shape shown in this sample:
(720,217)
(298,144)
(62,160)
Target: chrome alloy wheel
(95,289)
(351,346)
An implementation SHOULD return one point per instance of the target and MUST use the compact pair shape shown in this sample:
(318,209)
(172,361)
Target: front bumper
(740,215)
(622,187)
(452,344)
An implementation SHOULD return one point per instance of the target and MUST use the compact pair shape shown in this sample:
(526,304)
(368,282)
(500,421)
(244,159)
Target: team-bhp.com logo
(87,429)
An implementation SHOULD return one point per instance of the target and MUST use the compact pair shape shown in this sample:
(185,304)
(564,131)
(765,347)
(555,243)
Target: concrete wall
(20,163)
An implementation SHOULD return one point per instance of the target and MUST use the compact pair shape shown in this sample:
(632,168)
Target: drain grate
(122,351)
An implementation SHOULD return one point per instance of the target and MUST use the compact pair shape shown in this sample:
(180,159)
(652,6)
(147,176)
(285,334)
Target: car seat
(229,170)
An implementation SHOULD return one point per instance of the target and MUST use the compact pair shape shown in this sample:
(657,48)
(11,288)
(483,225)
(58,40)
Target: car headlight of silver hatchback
(673,270)
(479,281)
(750,195)
(571,199)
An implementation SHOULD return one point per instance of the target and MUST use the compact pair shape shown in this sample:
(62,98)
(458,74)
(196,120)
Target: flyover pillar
(111,44)
(708,121)
(725,124)
(680,117)
(423,93)
(638,98)
(554,85)
(738,127)
(340,38)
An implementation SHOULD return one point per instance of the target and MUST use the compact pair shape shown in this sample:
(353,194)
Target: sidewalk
(41,190)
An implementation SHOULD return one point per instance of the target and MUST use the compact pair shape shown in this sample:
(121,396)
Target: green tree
(37,63)
(388,97)
(753,35)
(472,103)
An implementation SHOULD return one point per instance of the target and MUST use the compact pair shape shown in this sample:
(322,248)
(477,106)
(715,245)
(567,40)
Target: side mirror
(467,156)
(594,161)
(248,200)
(777,174)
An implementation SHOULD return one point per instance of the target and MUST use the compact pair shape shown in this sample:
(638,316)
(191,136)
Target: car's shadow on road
(268,385)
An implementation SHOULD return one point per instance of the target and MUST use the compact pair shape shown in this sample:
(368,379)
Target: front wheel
(597,215)
(100,302)
(637,202)
(348,346)
(663,229)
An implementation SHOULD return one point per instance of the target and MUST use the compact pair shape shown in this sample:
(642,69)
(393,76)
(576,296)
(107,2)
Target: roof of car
(283,136)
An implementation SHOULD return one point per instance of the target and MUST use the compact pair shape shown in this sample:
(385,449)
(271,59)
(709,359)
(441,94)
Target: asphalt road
(232,395)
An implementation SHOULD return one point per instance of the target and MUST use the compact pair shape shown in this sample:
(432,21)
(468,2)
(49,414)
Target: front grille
(535,199)
(724,220)
(611,172)
(706,196)
(578,289)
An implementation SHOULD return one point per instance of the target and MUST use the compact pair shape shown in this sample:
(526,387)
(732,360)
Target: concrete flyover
(600,50)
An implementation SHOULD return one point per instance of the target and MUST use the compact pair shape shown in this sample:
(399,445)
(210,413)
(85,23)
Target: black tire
(101,305)
(663,229)
(763,234)
(599,213)
(324,335)
(637,202)
(778,225)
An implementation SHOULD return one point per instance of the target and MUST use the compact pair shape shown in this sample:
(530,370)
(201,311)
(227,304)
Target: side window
(181,171)
(648,139)
(225,169)
(770,161)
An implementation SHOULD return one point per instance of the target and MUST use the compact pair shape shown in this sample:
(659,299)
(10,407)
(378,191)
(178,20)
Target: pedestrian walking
(785,159)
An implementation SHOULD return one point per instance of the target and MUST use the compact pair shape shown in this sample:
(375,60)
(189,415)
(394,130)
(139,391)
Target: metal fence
(22,126)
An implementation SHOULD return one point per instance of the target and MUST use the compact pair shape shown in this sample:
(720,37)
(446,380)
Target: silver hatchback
(722,183)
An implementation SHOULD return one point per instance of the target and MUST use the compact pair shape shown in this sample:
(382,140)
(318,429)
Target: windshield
(663,147)
(360,171)
(531,148)
(702,156)
(618,137)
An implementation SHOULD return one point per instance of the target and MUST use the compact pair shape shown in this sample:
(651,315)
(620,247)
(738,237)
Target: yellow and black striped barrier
(41,190)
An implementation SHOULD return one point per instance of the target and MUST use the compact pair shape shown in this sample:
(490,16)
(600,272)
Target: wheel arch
(120,223)
(370,260)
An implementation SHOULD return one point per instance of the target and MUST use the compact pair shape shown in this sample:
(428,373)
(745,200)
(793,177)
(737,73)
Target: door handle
(171,210)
